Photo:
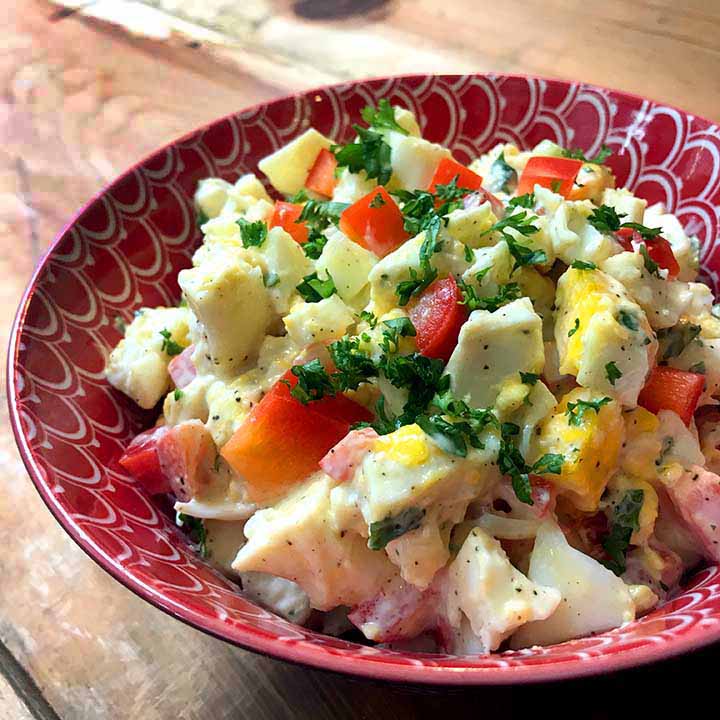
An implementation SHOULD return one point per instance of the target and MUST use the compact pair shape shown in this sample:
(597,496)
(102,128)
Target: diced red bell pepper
(375,222)
(668,388)
(321,178)
(177,459)
(448,169)
(659,249)
(142,461)
(438,316)
(286,216)
(282,441)
(555,173)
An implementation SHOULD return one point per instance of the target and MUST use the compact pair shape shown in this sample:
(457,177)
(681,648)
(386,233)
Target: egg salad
(473,403)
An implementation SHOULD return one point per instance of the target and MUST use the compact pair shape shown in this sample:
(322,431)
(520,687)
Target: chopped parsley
(576,410)
(253,234)
(368,317)
(314,246)
(425,212)
(300,196)
(555,185)
(607,220)
(674,340)
(463,428)
(625,520)
(177,394)
(312,289)
(470,298)
(420,376)
(169,345)
(318,214)
(271,279)
(599,159)
(525,201)
(582,265)
(699,368)
(612,372)
(352,365)
(382,117)
(396,328)
(574,328)
(196,531)
(313,383)
(370,153)
(549,463)
(521,223)
(502,176)
(629,320)
(377,201)
(469,257)
(416,284)
(394,526)
(529,378)
(650,265)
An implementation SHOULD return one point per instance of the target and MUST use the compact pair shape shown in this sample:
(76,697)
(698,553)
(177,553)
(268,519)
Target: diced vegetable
(672,389)
(375,222)
(343,459)
(438,316)
(448,169)
(282,441)
(659,250)
(176,459)
(141,460)
(182,369)
(555,173)
(321,178)
(286,216)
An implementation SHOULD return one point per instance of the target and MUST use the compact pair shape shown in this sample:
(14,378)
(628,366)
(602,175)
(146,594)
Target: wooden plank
(651,48)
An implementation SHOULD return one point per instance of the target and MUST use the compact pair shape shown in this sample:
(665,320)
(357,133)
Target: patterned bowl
(125,249)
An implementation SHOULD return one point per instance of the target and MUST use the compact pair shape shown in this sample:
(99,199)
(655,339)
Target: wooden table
(86,92)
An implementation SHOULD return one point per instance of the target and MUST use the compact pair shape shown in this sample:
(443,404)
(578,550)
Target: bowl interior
(125,250)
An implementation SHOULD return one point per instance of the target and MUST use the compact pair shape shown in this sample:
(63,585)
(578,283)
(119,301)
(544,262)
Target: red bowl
(125,249)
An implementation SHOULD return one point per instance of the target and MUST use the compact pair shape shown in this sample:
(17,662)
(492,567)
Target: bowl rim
(304,653)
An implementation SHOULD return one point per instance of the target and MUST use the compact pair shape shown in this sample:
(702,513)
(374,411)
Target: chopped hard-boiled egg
(593,599)
(288,168)
(602,336)
(587,430)
(296,540)
(493,595)
(493,347)
(138,366)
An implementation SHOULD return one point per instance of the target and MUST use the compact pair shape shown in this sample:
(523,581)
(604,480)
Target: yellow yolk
(587,295)
(642,444)
(408,446)
(590,448)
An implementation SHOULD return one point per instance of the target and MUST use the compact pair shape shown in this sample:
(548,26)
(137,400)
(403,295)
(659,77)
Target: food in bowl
(452,407)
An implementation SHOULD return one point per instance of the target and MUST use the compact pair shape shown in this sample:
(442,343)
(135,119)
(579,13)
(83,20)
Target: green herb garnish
(312,289)
(169,345)
(612,372)
(576,410)
(392,527)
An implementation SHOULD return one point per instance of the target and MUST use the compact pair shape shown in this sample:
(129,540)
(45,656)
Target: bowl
(124,250)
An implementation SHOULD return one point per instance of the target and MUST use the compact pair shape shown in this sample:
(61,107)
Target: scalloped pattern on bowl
(125,249)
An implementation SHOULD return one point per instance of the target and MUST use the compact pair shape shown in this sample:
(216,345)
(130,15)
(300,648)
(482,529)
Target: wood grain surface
(90,87)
